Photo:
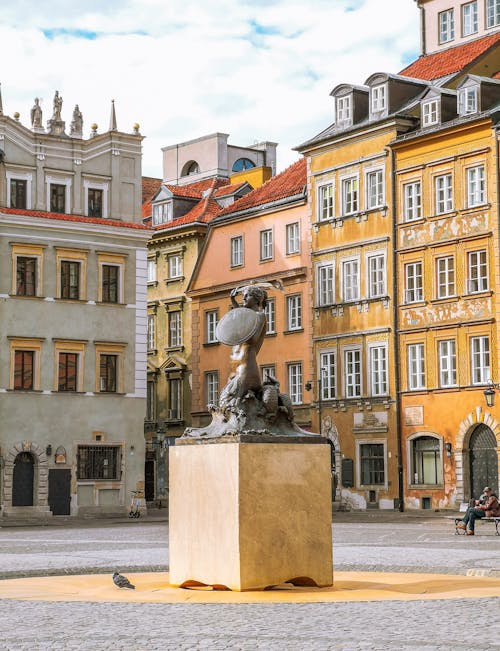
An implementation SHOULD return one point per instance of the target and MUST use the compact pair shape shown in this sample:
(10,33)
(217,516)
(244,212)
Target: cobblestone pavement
(392,545)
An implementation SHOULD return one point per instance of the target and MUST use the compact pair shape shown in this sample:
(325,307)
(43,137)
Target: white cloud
(184,68)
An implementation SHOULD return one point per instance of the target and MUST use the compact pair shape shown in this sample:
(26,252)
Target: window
(378,370)
(110,283)
(98,462)
(444,193)
(292,238)
(26,281)
(24,370)
(477,272)
(174,266)
(94,202)
(325,202)
(378,97)
(416,367)
(175,399)
(18,193)
(430,112)
(236,251)
(151,271)
(174,329)
(150,400)
(376,275)
(447,363)
(350,280)
(108,373)
(469,18)
(350,195)
(326,294)
(294,312)
(162,213)
(445,272)
(67,372)
(352,373)
(211,324)
(476,194)
(446,26)
(268,372)
(344,109)
(70,279)
(492,13)
(328,376)
(151,332)
(57,198)
(372,464)
(375,189)
(295,383)
(426,460)
(413,278)
(266,244)
(412,201)
(270,312)
(242,164)
(212,386)
(467,100)
(480,360)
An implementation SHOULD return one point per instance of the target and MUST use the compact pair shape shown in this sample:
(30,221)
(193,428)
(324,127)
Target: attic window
(162,213)
(378,97)
(243,164)
(344,109)
(190,168)
(430,112)
(467,100)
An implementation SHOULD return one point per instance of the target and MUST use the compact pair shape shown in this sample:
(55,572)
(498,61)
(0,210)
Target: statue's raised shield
(237,326)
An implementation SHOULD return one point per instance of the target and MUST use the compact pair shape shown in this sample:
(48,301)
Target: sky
(254,69)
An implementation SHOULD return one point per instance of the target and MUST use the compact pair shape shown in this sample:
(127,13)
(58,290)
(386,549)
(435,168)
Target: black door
(483,460)
(149,480)
(60,491)
(22,481)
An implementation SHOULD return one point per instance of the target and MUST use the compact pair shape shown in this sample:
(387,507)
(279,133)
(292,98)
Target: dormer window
(430,112)
(469,18)
(379,98)
(467,100)
(492,13)
(446,26)
(344,109)
(162,213)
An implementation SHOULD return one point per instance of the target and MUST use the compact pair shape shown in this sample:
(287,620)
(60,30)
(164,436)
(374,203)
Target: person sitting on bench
(489,509)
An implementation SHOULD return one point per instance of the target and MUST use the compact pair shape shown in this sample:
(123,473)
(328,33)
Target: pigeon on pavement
(121,581)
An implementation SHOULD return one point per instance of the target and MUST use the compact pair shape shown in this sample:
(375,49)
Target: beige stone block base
(249,515)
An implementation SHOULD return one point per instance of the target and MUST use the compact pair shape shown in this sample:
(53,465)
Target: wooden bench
(495,520)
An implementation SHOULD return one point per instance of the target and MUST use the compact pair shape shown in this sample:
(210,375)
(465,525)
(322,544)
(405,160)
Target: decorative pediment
(174,364)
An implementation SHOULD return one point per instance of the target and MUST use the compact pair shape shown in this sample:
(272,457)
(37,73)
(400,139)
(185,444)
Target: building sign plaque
(414,415)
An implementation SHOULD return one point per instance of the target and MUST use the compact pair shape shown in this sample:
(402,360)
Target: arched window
(426,463)
(243,164)
(190,168)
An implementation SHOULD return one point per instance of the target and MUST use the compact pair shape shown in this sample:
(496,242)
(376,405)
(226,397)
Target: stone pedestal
(249,515)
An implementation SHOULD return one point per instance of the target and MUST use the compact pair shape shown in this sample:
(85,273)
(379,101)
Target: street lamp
(489,394)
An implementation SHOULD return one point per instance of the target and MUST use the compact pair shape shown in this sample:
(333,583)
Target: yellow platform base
(349,586)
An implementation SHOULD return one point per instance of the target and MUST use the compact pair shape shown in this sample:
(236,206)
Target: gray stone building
(72,317)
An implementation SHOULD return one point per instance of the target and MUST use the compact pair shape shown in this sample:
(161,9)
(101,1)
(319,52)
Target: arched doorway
(483,460)
(23,479)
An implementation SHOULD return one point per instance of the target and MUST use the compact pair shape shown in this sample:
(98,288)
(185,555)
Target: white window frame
(325,283)
(492,13)
(414,276)
(480,360)
(174,261)
(58,180)
(212,387)
(266,244)
(91,185)
(294,312)
(268,370)
(326,201)
(447,359)
(292,232)
(162,213)
(376,274)
(376,200)
(211,320)
(413,476)
(151,270)
(18,176)
(175,329)
(350,206)
(378,98)
(412,201)
(236,251)
(477,271)
(416,366)
(468,100)
(351,291)
(470,23)
(446,26)
(430,112)
(378,368)
(327,366)
(151,340)
(343,109)
(352,371)
(174,399)
(443,187)
(445,276)
(270,312)
(294,372)
(476,186)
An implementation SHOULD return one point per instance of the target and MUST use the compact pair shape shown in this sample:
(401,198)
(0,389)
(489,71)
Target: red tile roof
(195,190)
(227,190)
(288,183)
(150,187)
(204,211)
(72,218)
(453,59)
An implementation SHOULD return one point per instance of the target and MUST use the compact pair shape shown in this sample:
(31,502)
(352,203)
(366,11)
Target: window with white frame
(375,189)
(469,18)
(412,193)
(447,363)
(175,399)
(292,238)
(174,329)
(328,372)
(151,332)
(270,312)
(325,202)
(378,370)
(162,213)
(445,276)
(151,270)
(372,464)
(476,188)
(18,190)
(427,466)
(492,13)
(294,312)
(212,387)
(295,383)
(174,265)
(480,360)
(446,26)
(379,98)
(266,244)
(376,275)
(326,294)
(350,279)
(468,100)
(430,112)
(211,325)
(352,372)
(350,195)
(416,367)
(477,271)
(344,112)
(237,251)
(413,282)
(268,372)
(444,193)
(150,400)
